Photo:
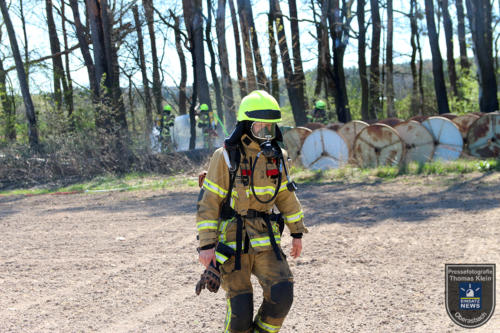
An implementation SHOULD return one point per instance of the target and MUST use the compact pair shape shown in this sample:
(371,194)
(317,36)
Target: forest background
(82,82)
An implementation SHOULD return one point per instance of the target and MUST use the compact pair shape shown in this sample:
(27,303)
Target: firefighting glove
(210,279)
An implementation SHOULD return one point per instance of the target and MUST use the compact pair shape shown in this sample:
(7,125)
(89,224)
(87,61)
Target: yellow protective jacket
(211,229)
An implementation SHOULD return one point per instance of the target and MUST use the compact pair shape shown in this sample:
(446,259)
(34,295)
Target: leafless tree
(295,87)
(142,65)
(389,84)
(68,94)
(193,20)
(21,76)
(448,32)
(58,69)
(464,61)
(7,102)
(227,86)
(247,47)
(213,64)
(363,76)
(437,61)
(374,96)
(182,63)
(241,81)
(479,13)
(149,13)
(275,83)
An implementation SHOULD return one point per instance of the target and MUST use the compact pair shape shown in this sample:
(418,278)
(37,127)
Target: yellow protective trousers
(276,281)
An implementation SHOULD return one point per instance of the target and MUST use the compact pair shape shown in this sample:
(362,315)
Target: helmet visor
(263,131)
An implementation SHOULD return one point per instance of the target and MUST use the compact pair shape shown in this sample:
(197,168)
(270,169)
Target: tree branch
(32,62)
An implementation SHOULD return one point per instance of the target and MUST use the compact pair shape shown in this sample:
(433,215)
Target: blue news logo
(470,296)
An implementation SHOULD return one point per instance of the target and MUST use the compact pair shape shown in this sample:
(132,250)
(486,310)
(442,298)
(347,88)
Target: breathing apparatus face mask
(264,133)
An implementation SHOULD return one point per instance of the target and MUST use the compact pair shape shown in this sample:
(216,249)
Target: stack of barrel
(393,141)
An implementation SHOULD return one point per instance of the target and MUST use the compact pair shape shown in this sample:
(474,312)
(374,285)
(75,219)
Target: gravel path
(125,261)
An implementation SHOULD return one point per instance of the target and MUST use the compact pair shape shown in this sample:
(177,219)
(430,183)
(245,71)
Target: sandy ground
(126,262)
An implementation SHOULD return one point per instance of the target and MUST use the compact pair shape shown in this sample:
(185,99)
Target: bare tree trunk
(497,65)
(58,69)
(111,118)
(149,13)
(464,60)
(389,65)
(479,13)
(227,86)
(68,94)
(84,47)
(7,105)
(296,100)
(213,69)
(414,74)
(261,75)
(188,8)
(131,99)
(448,32)
(192,111)
(339,20)
(420,75)
(194,24)
(320,75)
(241,81)
(374,108)
(328,82)
(300,79)
(275,83)
(247,47)
(25,36)
(197,30)
(112,121)
(21,75)
(363,77)
(145,81)
(182,62)
(437,61)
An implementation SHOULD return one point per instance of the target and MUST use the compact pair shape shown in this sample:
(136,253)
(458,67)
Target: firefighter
(207,124)
(319,113)
(204,121)
(165,122)
(237,233)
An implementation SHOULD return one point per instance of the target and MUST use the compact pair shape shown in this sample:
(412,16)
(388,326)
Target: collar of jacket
(249,144)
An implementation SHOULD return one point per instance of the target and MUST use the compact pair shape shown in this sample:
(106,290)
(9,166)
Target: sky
(39,45)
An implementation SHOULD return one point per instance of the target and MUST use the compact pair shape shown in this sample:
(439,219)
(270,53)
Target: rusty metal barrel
(418,141)
(293,140)
(483,137)
(378,145)
(349,132)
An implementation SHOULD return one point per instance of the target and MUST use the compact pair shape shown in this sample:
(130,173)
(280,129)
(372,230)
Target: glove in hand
(210,279)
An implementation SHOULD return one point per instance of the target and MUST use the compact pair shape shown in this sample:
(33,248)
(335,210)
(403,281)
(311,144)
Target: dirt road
(125,262)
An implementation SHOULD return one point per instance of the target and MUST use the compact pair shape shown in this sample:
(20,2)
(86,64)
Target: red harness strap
(272,172)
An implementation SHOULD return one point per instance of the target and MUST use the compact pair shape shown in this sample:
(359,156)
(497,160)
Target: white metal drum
(418,141)
(447,138)
(324,149)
